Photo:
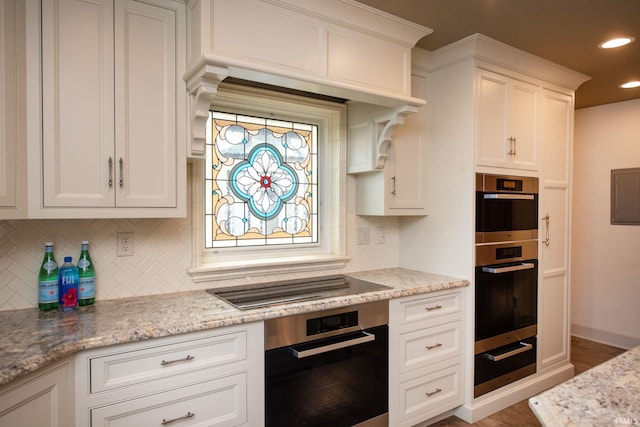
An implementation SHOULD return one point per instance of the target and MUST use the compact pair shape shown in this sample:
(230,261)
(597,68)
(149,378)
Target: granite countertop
(33,339)
(606,394)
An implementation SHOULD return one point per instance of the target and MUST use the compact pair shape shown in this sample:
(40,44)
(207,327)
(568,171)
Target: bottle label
(83,263)
(68,289)
(50,266)
(86,287)
(47,291)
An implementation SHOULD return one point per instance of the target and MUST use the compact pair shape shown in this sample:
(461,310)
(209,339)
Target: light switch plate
(364,235)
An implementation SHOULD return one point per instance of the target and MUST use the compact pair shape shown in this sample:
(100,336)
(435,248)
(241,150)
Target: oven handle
(366,337)
(525,347)
(498,270)
(508,196)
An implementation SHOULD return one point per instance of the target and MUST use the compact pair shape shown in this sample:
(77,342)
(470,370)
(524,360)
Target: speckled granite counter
(31,339)
(606,395)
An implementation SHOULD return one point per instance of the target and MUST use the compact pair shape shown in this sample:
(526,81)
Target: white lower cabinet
(42,399)
(212,378)
(219,403)
(425,357)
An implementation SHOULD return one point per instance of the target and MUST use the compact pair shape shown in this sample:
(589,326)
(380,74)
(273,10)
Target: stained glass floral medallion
(261,182)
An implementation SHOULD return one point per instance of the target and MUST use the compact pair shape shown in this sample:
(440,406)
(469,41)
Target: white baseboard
(605,337)
(509,395)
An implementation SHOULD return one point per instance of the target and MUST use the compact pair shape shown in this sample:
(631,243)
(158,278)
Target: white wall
(605,272)
(162,254)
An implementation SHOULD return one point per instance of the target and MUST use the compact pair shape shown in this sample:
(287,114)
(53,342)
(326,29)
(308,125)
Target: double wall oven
(506,280)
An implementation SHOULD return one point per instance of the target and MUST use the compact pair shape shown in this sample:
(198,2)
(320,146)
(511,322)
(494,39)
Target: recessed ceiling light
(620,41)
(630,85)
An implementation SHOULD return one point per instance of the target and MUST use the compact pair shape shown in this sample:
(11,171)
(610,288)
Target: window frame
(330,251)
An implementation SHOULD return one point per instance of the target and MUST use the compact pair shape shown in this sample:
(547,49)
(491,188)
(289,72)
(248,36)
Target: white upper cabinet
(11,80)
(507,115)
(113,106)
(390,177)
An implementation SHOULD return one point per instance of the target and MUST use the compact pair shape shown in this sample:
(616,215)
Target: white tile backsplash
(162,254)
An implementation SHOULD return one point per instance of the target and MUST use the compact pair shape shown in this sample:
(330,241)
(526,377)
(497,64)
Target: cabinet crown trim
(330,46)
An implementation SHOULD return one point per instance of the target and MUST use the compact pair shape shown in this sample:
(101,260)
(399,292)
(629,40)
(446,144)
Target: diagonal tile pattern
(162,254)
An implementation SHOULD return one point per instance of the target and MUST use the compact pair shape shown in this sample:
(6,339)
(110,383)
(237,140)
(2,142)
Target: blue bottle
(68,286)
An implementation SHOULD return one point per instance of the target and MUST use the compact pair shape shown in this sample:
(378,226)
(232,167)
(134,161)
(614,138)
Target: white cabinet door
(506,122)
(77,103)
(491,126)
(522,125)
(8,109)
(556,136)
(42,399)
(145,100)
(407,159)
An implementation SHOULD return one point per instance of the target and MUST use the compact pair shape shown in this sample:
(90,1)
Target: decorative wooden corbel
(203,88)
(384,125)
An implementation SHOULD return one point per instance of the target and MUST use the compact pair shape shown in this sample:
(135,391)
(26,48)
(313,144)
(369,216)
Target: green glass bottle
(86,276)
(48,280)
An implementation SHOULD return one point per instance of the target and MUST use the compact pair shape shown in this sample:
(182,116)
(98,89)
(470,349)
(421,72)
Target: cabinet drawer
(217,403)
(433,307)
(140,366)
(432,394)
(425,347)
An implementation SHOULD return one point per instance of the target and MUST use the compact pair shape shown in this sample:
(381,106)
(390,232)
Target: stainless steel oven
(506,208)
(506,295)
(328,368)
(506,280)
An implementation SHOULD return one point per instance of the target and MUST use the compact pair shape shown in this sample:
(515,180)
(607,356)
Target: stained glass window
(260,182)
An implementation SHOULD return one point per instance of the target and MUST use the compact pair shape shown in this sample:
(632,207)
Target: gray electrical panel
(625,196)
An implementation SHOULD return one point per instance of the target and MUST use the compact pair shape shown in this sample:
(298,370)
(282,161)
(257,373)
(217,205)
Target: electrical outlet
(125,244)
(380,234)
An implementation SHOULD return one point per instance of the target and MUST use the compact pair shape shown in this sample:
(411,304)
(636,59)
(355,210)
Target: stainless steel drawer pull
(437,390)
(508,196)
(498,270)
(169,362)
(430,347)
(165,421)
(499,357)
(365,337)
(435,307)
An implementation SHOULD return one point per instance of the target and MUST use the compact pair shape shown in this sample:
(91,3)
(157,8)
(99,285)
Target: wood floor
(584,355)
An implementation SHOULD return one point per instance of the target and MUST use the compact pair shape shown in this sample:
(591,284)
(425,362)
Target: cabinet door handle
(393,188)
(121,182)
(169,362)
(437,390)
(515,145)
(110,171)
(184,417)
(434,307)
(430,347)
(512,146)
(546,219)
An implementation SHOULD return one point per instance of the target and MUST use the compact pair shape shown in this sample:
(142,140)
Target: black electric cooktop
(274,293)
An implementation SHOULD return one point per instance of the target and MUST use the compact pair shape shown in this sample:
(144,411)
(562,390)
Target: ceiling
(566,32)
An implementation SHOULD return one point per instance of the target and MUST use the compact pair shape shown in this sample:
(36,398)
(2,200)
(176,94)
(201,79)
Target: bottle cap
(48,243)
(67,259)
(84,242)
